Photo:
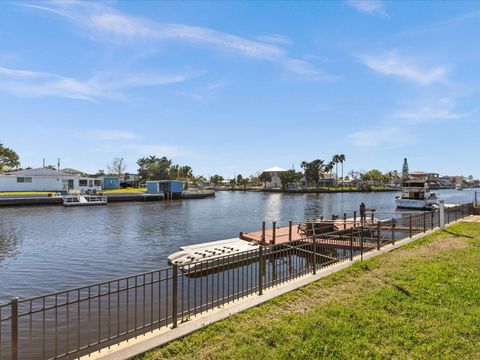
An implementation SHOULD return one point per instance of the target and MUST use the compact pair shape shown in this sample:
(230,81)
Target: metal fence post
(378,235)
(393,231)
(351,244)
(432,215)
(260,270)
(441,214)
(424,222)
(361,244)
(263,231)
(354,218)
(314,255)
(410,227)
(175,295)
(274,229)
(344,221)
(14,329)
(290,230)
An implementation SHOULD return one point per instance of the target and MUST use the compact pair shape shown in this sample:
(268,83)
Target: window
(22,179)
(82,182)
(90,183)
(98,182)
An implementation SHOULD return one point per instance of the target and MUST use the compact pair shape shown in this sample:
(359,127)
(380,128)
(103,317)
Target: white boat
(416,195)
(193,258)
(458,187)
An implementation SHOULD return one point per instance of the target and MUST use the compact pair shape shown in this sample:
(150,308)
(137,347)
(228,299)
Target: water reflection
(43,249)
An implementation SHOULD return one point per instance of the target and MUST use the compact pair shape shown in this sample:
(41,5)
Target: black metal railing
(76,322)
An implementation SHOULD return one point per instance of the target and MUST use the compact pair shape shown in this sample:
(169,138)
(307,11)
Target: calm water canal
(50,248)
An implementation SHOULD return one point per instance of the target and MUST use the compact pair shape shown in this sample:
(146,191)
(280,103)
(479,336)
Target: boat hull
(416,204)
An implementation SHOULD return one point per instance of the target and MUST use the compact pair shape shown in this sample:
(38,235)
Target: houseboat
(416,195)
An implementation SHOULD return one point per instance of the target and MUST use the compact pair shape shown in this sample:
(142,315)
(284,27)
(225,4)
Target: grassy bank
(123,191)
(421,301)
(13,193)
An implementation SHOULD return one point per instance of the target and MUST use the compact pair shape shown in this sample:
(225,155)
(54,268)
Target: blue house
(110,183)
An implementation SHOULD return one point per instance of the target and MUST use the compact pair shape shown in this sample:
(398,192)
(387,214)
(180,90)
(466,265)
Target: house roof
(72,171)
(275,169)
(37,172)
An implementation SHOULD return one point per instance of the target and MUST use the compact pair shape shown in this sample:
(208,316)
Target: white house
(43,179)
(275,181)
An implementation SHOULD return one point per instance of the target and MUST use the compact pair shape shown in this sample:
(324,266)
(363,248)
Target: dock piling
(289,230)
(263,231)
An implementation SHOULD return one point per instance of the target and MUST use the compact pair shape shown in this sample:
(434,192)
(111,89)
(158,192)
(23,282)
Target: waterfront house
(275,181)
(43,179)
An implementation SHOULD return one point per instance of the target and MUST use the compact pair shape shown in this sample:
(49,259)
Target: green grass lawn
(126,190)
(419,302)
(26,193)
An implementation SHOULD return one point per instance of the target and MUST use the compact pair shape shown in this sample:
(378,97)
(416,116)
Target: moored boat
(201,257)
(416,195)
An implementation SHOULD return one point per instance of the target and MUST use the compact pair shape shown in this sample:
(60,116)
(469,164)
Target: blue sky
(241,86)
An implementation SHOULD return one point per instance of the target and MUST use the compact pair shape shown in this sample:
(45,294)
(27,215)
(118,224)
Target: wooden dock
(336,230)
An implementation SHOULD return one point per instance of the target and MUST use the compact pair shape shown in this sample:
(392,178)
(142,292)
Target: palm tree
(335,161)
(341,158)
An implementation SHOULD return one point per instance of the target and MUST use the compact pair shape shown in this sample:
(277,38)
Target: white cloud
(368,6)
(27,83)
(109,134)
(392,64)
(442,110)
(387,137)
(275,39)
(108,24)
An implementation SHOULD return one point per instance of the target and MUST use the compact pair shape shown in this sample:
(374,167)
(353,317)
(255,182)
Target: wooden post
(355,218)
(263,231)
(344,221)
(274,229)
(290,230)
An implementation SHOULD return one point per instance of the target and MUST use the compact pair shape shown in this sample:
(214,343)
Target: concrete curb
(157,338)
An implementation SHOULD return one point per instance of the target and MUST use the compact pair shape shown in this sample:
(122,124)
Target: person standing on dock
(363,213)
